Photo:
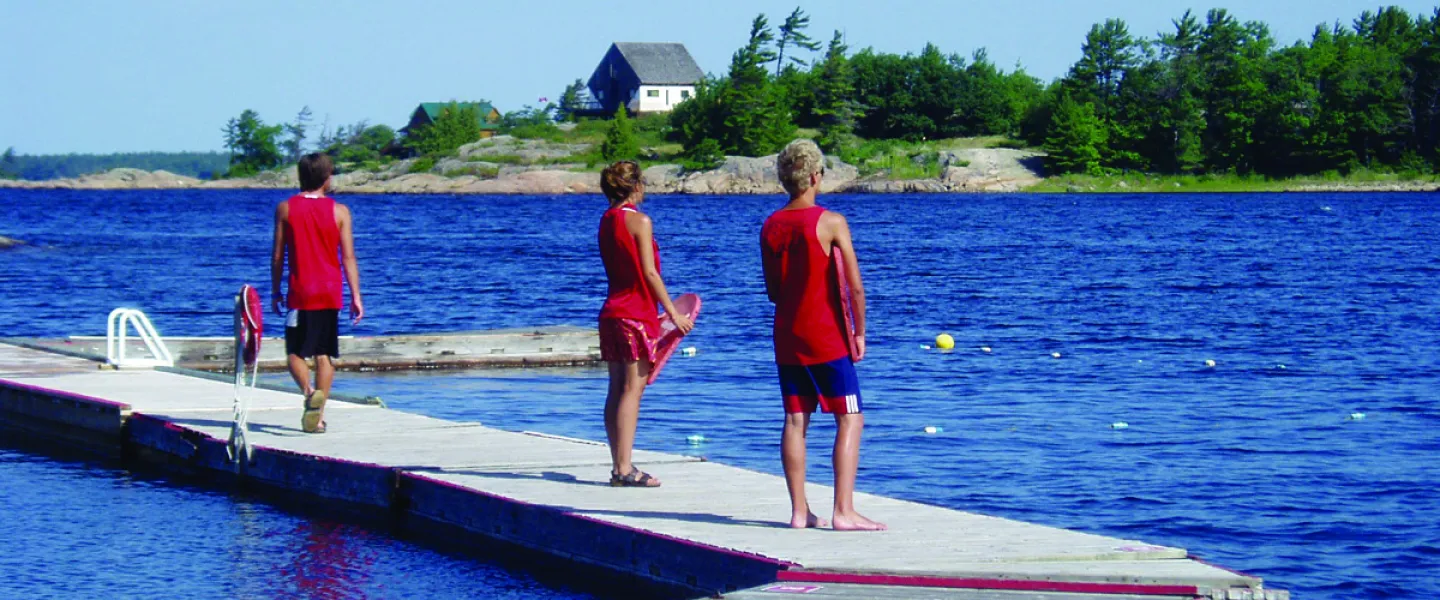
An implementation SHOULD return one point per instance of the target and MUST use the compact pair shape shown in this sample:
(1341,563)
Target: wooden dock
(710,530)
(536,347)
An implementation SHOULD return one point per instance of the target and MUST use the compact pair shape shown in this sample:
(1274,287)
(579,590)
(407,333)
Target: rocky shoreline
(503,165)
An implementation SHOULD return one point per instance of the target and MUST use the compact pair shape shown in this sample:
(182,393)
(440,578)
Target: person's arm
(277,257)
(643,231)
(772,281)
(839,231)
(352,266)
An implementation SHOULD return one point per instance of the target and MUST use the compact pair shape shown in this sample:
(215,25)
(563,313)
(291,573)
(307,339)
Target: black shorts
(312,333)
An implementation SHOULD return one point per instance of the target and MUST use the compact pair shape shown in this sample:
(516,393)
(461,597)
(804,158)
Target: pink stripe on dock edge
(989,584)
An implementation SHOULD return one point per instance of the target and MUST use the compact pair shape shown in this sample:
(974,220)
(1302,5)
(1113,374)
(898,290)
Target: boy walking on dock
(811,353)
(315,231)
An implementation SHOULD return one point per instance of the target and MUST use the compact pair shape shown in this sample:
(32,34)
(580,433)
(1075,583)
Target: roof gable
(664,63)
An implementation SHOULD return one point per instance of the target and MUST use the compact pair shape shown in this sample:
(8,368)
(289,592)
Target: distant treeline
(1213,94)
(59,166)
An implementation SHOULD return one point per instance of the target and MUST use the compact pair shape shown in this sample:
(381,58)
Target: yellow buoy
(944,341)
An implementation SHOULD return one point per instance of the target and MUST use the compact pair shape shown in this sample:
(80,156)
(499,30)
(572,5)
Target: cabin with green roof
(427,112)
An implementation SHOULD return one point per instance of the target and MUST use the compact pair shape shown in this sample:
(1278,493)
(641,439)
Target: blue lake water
(1314,308)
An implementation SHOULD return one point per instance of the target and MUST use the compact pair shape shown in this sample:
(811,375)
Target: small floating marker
(1054,355)
(1356,416)
(985,349)
(1281,367)
(934,429)
(695,439)
(924,346)
(944,341)
(688,351)
(1119,425)
(1210,362)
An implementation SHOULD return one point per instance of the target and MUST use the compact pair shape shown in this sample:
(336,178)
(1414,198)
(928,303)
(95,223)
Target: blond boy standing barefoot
(811,352)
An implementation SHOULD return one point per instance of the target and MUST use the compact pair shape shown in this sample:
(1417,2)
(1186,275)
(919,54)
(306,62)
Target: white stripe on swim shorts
(852,404)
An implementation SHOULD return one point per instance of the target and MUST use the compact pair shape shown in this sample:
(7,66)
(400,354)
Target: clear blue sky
(105,76)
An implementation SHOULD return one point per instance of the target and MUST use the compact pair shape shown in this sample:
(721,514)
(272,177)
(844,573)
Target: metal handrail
(117,331)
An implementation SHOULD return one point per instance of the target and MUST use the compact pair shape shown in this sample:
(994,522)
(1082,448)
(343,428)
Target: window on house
(652,93)
(684,94)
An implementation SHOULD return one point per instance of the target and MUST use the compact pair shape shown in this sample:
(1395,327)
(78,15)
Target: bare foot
(855,522)
(809,521)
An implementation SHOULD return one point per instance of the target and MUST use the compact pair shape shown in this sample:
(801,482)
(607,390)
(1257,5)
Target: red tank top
(807,310)
(629,295)
(313,241)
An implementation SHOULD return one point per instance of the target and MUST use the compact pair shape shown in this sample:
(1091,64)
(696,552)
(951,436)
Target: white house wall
(661,98)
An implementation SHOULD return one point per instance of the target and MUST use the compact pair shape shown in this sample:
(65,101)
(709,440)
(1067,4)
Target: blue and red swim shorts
(833,386)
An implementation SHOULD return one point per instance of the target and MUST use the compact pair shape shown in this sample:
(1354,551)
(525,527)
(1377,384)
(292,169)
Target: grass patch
(895,159)
(483,172)
(541,131)
(503,159)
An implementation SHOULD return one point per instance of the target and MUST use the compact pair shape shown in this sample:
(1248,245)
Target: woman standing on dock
(629,325)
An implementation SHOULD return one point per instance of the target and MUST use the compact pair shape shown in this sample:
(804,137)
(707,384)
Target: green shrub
(538,131)
(704,156)
(422,165)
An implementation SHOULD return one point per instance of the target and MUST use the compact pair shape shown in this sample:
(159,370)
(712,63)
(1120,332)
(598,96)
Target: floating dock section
(553,346)
(711,530)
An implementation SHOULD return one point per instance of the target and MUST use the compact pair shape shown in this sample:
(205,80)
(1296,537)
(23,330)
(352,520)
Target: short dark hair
(314,168)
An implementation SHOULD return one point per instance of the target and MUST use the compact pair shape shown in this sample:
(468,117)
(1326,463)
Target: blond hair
(796,163)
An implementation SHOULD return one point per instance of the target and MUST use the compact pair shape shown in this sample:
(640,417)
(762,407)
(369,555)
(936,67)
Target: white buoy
(1356,416)
(1119,425)
(1054,355)
(924,346)
(985,349)
(689,351)
(695,439)
(934,429)
(1210,362)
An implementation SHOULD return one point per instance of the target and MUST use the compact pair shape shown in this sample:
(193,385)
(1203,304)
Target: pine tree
(253,144)
(570,101)
(620,142)
(295,145)
(1078,138)
(835,103)
(792,33)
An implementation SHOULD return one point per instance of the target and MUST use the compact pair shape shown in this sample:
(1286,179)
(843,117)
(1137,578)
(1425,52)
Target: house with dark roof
(427,112)
(644,77)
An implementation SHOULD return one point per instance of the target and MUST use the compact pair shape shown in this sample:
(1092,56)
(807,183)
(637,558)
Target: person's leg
(300,372)
(627,417)
(295,352)
(324,373)
(792,458)
(848,428)
(612,405)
